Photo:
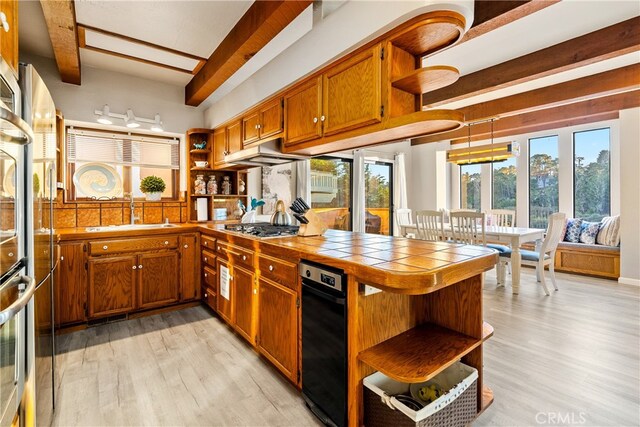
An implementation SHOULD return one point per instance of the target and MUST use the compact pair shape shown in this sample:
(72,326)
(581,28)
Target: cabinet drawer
(209,258)
(103,247)
(209,297)
(282,272)
(209,277)
(235,254)
(208,242)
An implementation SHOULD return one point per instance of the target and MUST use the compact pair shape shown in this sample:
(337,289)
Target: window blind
(85,145)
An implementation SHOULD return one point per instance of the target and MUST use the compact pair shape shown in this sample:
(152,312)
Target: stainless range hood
(265,154)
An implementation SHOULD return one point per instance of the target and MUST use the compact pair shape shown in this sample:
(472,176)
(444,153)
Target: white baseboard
(628,281)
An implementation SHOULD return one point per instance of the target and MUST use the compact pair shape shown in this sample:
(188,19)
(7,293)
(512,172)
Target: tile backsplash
(78,214)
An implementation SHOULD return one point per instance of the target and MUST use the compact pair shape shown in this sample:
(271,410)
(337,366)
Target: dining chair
(546,255)
(501,218)
(430,225)
(403,217)
(468,227)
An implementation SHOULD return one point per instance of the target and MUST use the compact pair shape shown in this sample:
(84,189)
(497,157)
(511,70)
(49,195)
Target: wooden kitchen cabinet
(9,38)
(278,327)
(245,296)
(71,284)
(263,123)
(234,137)
(345,97)
(112,283)
(159,279)
(352,93)
(226,140)
(219,146)
(302,112)
(225,303)
(189,267)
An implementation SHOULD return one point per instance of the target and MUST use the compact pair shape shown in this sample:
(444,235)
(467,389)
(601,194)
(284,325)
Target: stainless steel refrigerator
(39,112)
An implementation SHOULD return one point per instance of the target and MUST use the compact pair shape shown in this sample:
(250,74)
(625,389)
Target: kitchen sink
(127,227)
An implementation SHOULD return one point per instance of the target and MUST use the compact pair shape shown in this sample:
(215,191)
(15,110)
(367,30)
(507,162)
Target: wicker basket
(457,408)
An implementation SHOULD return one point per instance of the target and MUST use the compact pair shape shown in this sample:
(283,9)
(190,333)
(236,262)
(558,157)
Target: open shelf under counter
(486,399)
(426,79)
(418,354)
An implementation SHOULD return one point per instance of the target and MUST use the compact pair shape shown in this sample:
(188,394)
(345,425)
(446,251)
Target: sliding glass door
(331,191)
(378,182)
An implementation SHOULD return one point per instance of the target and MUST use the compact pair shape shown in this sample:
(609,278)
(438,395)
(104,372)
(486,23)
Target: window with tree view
(377,190)
(331,191)
(543,180)
(504,184)
(591,177)
(470,178)
(104,165)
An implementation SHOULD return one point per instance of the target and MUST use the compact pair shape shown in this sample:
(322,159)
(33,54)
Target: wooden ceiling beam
(489,15)
(257,27)
(609,42)
(549,118)
(602,84)
(60,16)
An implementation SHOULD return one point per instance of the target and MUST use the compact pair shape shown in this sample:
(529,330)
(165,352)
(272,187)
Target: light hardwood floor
(571,358)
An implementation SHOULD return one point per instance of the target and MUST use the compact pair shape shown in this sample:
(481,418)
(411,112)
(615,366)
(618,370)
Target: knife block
(315,227)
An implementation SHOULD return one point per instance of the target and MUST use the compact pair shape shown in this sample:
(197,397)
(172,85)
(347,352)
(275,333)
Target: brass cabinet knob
(271,268)
(244,257)
(322,118)
(206,295)
(134,267)
(206,275)
(140,266)
(186,246)
(205,259)
(166,242)
(315,120)
(105,247)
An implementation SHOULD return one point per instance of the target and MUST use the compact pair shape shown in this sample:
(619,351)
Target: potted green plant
(152,186)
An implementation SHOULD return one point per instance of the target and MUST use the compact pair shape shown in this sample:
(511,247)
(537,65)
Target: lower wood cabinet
(225,300)
(158,279)
(278,327)
(190,267)
(112,284)
(71,284)
(245,296)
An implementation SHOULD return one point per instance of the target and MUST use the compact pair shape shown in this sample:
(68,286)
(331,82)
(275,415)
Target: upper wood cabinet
(71,284)
(226,140)
(352,93)
(345,97)
(219,146)
(9,38)
(302,112)
(234,137)
(264,122)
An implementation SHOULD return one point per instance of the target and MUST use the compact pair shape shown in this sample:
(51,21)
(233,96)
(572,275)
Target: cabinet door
(9,39)
(219,146)
(278,327)
(71,284)
(225,291)
(250,128)
(271,122)
(245,296)
(352,93)
(302,111)
(159,279)
(112,282)
(234,137)
(189,267)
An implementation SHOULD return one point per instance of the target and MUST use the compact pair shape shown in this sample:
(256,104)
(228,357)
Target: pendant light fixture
(487,153)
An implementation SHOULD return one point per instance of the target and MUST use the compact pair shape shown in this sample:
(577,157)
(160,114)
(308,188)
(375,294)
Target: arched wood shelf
(426,79)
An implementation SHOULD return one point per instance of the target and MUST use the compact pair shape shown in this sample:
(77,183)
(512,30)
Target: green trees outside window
(543,180)
(591,174)
(504,184)
(470,180)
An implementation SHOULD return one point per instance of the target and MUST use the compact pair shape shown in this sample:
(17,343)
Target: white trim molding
(628,281)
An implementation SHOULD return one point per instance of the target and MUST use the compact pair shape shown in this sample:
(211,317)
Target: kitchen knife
(301,218)
(304,204)
(300,206)
(296,208)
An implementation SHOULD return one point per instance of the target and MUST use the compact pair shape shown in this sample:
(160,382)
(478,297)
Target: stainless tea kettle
(280,216)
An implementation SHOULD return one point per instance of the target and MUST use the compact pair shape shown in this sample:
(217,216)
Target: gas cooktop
(264,229)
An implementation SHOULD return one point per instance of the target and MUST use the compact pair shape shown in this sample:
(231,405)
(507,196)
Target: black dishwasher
(324,342)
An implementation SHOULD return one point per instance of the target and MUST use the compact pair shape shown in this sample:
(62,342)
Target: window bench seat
(590,260)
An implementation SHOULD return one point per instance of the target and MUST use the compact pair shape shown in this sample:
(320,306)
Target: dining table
(512,236)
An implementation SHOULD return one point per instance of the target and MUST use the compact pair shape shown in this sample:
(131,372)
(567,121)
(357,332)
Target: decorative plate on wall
(98,180)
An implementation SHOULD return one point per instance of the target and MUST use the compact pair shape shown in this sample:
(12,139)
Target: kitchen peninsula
(428,315)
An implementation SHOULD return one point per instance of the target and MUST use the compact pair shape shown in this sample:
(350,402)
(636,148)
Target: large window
(378,196)
(591,177)
(331,191)
(543,180)
(105,165)
(470,178)
(504,184)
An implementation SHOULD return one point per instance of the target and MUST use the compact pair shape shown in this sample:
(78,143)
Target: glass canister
(212,185)
(199,186)
(226,185)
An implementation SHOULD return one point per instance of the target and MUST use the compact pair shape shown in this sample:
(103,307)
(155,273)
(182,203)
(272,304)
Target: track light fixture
(130,120)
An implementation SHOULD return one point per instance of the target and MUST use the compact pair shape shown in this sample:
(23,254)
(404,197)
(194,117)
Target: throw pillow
(588,232)
(609,233)
(574,226)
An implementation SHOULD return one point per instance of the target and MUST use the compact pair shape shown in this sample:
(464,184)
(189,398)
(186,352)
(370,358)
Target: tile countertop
(393,264)
(83,233)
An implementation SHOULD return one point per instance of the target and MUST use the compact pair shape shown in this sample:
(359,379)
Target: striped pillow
(609,233)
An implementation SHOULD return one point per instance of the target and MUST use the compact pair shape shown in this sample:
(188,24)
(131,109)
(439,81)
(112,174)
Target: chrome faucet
(132,208)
